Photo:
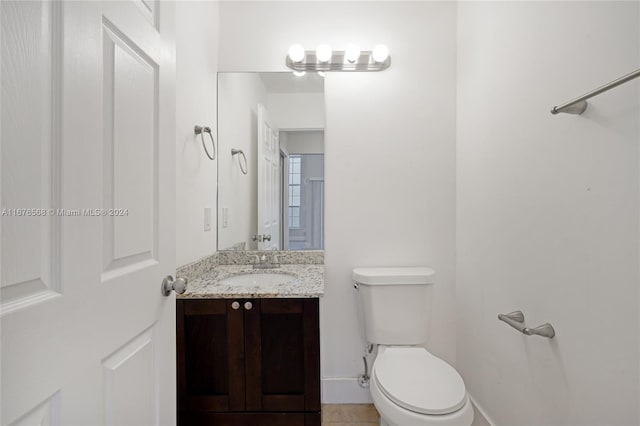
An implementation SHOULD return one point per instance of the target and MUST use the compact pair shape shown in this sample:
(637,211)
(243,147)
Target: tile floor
(350,415)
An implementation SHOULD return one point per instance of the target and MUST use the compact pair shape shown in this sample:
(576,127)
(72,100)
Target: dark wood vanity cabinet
(255,362)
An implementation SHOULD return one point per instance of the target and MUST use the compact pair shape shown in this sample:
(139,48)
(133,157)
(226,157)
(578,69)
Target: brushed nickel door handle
(169,284)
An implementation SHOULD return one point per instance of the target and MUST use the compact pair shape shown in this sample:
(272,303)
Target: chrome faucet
(262,262)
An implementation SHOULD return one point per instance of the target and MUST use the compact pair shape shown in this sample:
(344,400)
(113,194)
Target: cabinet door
(210,342)
(207,418)
(282,346)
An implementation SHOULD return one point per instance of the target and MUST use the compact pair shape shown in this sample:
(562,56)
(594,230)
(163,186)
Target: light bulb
(323,53)
(352,53)
(299,73)
(321,74)
(380,53)
(296,52)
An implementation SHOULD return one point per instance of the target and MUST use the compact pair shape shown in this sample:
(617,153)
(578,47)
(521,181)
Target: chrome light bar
(338,62)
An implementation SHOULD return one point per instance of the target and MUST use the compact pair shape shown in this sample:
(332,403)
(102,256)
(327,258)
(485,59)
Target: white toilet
(409,386)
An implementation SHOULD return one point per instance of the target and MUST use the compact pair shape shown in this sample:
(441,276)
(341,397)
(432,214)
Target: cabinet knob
(248,306)
(235,305)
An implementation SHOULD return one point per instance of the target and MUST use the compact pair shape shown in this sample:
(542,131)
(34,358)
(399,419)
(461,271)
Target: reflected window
(294,191)
(305,201)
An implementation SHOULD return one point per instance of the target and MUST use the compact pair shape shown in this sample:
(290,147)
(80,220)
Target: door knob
(248,306)
(235,305)
(168,284)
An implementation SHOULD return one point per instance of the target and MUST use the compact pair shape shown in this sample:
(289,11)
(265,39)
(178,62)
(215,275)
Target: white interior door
(87,123)
(268,181)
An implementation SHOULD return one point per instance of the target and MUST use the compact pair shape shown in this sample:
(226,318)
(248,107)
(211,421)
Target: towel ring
(199,130)
(244,168)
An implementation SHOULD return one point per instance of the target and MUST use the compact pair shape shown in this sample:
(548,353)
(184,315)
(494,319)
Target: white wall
(303,142)
(547,211)
(297,110)
(239,97)
(389,152)
(196,176)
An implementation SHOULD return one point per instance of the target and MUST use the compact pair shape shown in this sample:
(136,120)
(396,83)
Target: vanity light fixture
(296,53)
(380,53)
(299,73)
(323,53)
(352,53)
(351,59)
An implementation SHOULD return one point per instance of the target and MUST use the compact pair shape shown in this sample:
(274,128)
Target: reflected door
(88,137)
(268,182)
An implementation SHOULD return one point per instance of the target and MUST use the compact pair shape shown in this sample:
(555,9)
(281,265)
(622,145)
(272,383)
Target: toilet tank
(395,303)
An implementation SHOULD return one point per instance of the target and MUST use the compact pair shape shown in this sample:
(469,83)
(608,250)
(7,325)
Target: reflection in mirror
(277,121)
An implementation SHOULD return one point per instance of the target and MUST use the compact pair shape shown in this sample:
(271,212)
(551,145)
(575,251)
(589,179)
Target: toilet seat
(416,380)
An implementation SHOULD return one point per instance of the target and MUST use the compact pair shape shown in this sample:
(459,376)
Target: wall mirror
(270,161)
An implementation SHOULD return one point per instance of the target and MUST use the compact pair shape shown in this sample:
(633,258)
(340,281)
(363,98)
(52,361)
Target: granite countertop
(308,282)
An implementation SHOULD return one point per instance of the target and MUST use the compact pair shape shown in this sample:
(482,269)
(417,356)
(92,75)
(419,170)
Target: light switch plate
(207,219)
(225,217)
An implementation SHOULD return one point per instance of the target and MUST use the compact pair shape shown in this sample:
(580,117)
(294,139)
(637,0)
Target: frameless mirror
(270,161)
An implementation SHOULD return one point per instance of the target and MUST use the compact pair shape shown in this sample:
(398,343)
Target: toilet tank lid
(394,275)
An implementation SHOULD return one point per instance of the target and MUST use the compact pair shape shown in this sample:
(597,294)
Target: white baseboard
(480,416)
(337,390)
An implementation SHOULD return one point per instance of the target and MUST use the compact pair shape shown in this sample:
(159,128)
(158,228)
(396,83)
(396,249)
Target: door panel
(30,112)
(253,354)
(312,355)
(130,144)
(282,353)
(210,356)
(149,9)
(87,124)
(45,414)
(249,419)
(282,347)
(130,396)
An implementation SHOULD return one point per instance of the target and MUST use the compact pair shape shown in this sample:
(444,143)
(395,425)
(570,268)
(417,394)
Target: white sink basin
(253,280)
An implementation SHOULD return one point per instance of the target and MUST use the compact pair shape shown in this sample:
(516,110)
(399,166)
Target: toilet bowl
(411,387)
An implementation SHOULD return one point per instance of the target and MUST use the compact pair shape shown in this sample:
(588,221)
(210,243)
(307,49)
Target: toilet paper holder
(516,320)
